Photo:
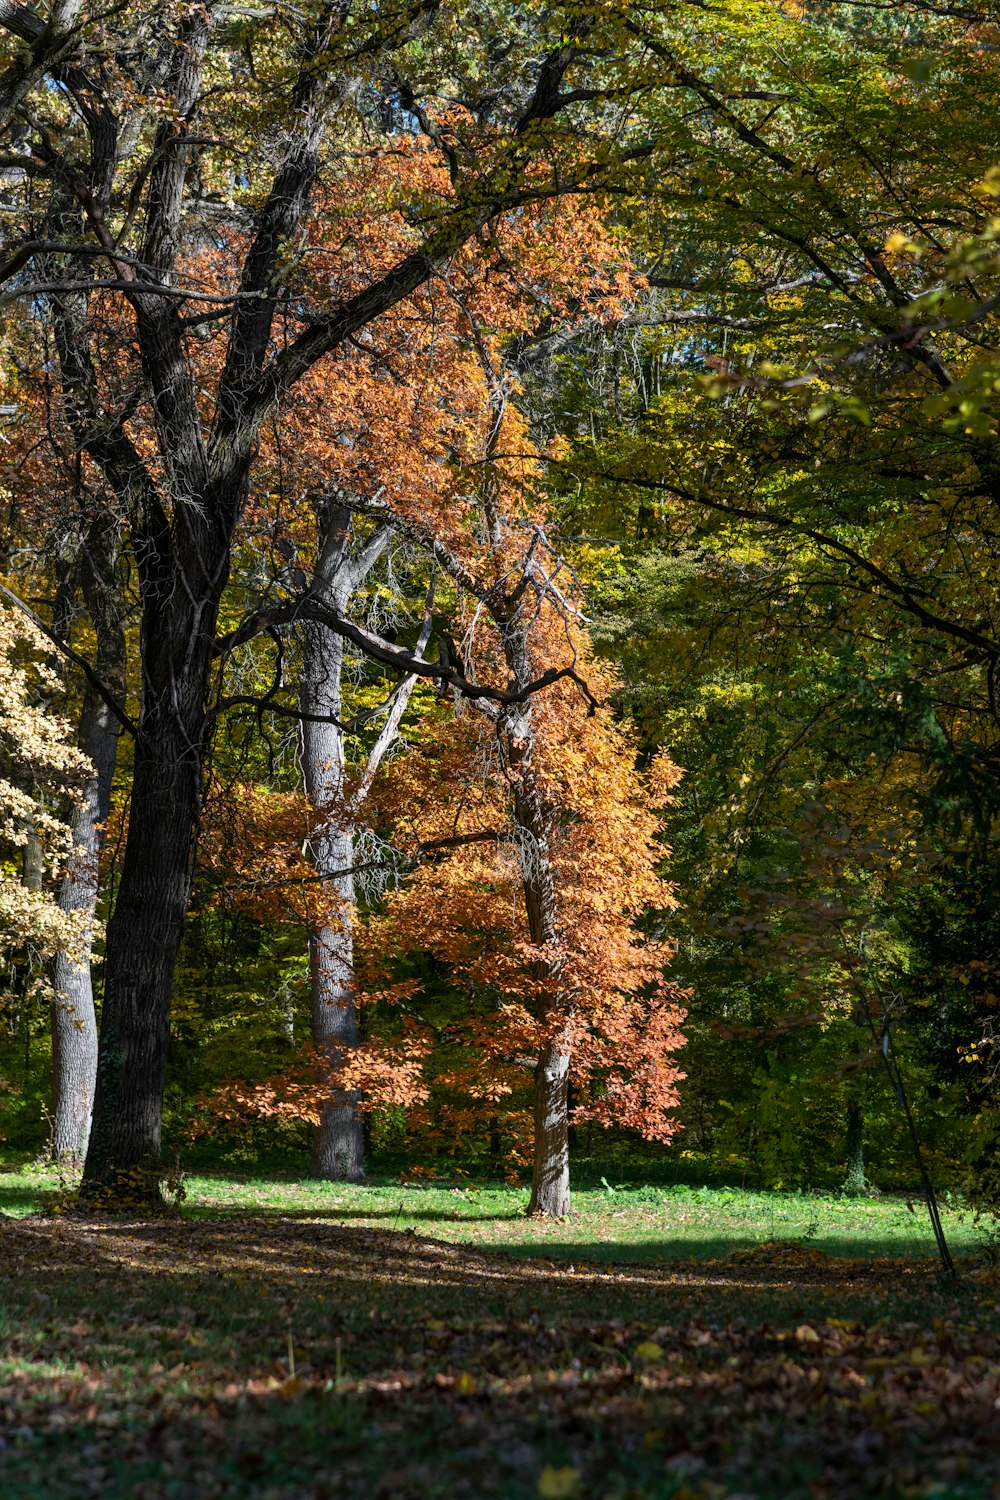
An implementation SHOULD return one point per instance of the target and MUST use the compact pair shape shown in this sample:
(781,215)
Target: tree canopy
(510,496)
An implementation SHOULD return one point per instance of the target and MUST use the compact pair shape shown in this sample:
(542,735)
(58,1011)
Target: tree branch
(391,655)
(66,650)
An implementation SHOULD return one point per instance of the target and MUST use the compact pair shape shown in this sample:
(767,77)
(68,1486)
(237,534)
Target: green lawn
(621,1223)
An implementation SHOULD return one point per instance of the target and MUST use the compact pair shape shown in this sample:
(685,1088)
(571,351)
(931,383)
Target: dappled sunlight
(607,1223)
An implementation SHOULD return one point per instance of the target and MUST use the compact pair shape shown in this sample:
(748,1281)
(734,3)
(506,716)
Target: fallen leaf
(558,1484)
(649,1352)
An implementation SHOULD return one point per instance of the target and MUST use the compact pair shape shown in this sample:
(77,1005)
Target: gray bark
(74,1017)
(550,1195)
(338,1148)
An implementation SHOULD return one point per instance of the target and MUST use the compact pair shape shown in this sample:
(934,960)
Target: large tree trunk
(144,936)
(74,1019)
(338,1148)
(181,601)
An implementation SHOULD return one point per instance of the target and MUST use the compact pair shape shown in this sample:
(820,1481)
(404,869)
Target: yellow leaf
(649,1351)
(465,1385)
(558,1484)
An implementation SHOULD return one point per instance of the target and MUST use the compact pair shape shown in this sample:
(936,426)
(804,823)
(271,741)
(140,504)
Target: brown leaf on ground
(152,1358)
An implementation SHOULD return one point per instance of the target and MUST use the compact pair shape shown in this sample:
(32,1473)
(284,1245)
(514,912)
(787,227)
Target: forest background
(422,435)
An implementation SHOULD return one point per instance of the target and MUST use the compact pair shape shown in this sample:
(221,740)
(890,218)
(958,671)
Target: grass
(298,1341)
(609,1223)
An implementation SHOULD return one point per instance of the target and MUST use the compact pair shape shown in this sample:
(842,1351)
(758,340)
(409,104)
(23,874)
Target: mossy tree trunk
(855,1181)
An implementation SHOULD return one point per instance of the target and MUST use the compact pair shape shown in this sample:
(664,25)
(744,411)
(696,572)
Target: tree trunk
(550,1173)
(144,936)
(74,1019)
(855,1181)
(33,879)
(550,1195)
(338,1147)
(180,608)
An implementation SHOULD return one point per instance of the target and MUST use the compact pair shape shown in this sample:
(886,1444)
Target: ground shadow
(160,1349)
(684,1248)
(349,1215)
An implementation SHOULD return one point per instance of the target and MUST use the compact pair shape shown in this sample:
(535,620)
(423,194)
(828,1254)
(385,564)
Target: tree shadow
(428,1370)
(681,1248)
(352,1215)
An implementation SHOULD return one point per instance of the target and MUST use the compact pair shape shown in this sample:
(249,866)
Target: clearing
(272,1343)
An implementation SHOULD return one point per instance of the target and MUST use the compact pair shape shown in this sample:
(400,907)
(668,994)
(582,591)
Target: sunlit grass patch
(610,1222)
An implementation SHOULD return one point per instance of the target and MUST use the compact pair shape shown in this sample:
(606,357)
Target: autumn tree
(129,166)
(534,918)
(42,771)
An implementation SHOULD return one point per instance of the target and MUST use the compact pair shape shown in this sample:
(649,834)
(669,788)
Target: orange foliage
(466,912)
(408,417)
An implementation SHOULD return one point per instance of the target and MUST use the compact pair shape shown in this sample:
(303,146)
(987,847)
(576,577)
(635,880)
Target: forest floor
(271,1346)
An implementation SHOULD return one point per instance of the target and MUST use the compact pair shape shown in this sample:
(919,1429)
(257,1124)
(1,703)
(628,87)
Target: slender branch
(904,593)
(427,849)
(390,728)
(65,649)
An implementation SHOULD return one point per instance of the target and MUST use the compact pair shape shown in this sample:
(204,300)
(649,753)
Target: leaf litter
(295,1359)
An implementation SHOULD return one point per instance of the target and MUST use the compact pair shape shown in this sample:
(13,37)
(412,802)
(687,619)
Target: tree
(536,932)
(41,768)
(51,544)
(337,804)
(74,1019)
(135,190)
